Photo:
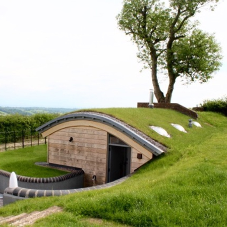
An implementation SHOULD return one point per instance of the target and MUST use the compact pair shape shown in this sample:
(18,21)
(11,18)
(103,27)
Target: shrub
(16,127)
(17,122)
(216,105)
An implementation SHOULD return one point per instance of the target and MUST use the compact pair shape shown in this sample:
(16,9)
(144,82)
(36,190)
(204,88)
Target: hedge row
(17,122)
(216,105)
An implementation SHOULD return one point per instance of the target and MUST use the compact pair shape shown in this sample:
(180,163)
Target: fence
(20,139)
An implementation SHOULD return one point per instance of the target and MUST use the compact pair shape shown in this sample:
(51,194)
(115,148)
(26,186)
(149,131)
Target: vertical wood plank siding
(135,162)
(88,151)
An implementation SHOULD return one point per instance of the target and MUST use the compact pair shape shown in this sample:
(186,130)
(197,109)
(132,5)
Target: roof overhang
(126,130)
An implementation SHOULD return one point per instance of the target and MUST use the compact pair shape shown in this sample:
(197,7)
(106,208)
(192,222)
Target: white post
(13,181)
(151,97)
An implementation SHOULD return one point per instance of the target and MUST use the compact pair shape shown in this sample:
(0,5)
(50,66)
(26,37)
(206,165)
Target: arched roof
(101,119)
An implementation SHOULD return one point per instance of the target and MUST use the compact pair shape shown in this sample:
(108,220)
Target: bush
(17,122)
(216,105)
(17,128)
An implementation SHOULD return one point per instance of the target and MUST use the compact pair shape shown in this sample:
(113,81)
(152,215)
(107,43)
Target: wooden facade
(84,142)
(88,151)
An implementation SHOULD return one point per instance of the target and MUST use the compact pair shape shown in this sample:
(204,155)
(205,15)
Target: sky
(71,54)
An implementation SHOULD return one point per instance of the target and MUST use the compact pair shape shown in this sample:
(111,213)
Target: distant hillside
(33,110)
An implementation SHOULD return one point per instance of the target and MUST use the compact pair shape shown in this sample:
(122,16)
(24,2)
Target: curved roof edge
(105,119)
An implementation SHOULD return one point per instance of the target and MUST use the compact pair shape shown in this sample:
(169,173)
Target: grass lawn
(185,187)
(22,162)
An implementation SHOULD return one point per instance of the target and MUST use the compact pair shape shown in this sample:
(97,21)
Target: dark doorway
(118,159)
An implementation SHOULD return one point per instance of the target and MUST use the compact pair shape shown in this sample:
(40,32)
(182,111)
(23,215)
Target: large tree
(169,41)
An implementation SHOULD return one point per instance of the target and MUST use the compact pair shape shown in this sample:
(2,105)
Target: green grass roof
(184,187)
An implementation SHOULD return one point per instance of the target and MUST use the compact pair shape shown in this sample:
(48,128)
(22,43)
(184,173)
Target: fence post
(22,134)
(5,141)
(14,139)
(31,137)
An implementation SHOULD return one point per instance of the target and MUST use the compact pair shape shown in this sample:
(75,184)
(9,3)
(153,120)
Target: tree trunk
(170,89)
(157,91)
(171,74)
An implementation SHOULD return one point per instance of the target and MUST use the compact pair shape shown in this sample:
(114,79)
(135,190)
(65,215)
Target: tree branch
(179,37)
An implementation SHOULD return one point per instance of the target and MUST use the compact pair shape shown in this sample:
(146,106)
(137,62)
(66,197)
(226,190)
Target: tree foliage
(169,41)
(196,57)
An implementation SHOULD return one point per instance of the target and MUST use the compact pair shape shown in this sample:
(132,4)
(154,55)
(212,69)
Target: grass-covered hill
(187,186)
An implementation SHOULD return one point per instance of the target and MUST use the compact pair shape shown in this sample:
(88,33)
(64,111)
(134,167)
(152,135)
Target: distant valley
(33,110)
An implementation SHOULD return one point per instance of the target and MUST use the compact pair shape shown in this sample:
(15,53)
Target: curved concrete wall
(72,180)
(11,195)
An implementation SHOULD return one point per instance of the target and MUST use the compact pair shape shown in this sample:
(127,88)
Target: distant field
(33,110)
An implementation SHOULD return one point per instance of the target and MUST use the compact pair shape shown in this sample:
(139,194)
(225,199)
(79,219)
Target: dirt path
(28,219)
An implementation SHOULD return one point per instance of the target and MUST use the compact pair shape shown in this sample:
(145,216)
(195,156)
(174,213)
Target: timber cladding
(135,162)
(88,151)
(100,145)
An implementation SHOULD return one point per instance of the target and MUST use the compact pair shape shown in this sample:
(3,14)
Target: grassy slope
(185,187)
(22,161)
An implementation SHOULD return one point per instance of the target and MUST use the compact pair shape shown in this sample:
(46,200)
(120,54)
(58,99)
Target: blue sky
(57,53)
